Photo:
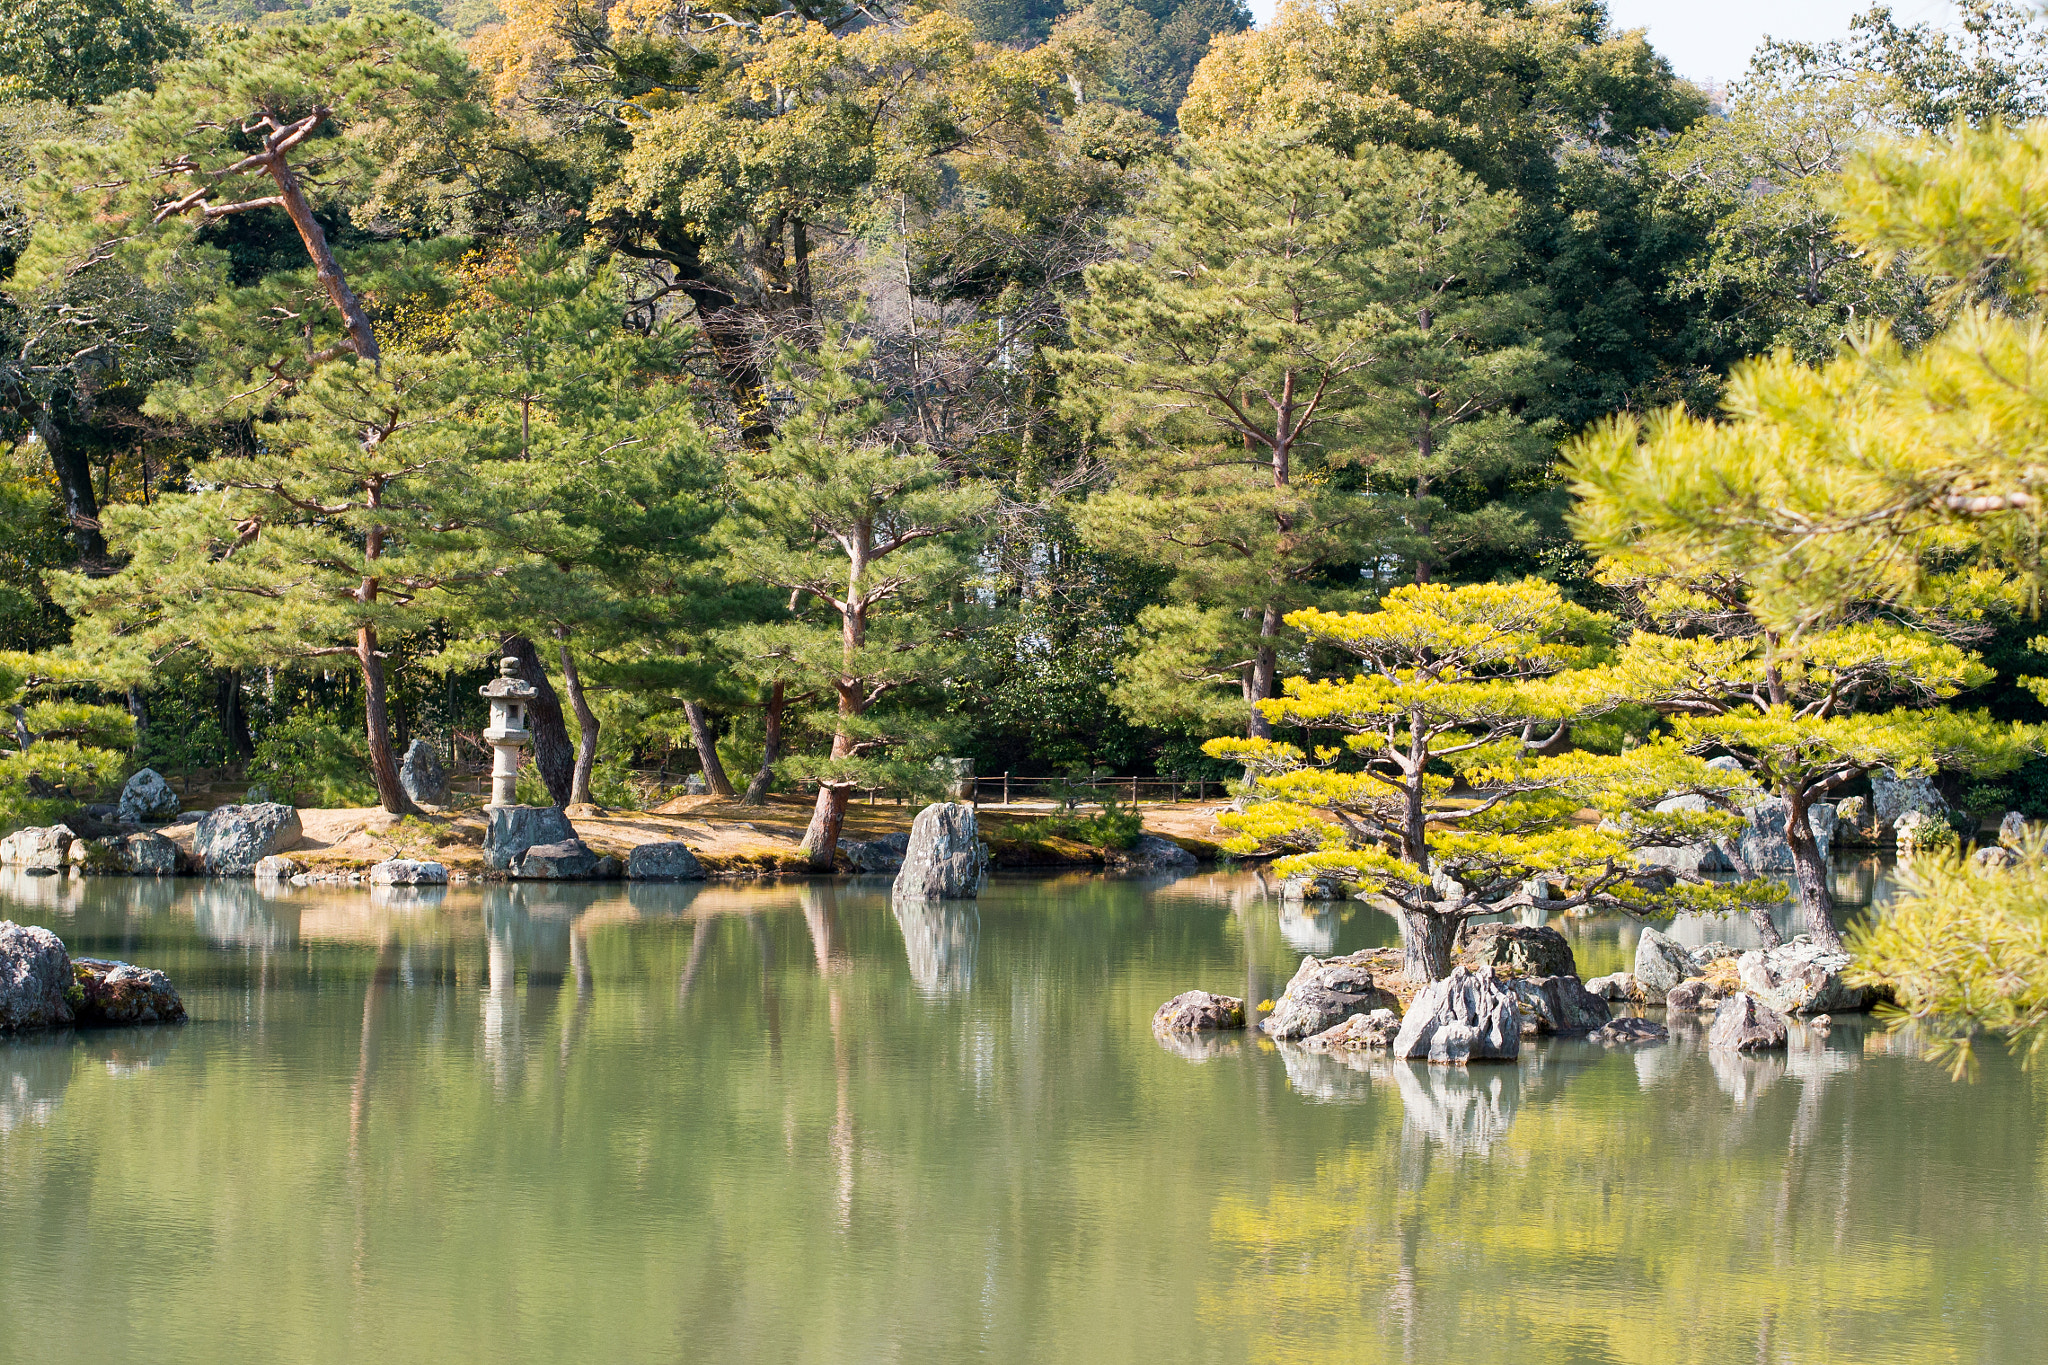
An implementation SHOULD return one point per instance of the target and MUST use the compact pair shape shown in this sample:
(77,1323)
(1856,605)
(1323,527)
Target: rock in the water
(1154,854)
(1556,1005)
(568,860)
(1374,1032)
(422,775)
(2012,830)
(408,872)
(1707,954)
(1533,950)
(664,862)
(1691,997)
(230,841)
(511,830)
(1746,1024)
(1762,842)
(144,855)
(1626,1031)
(1661,963)
(43,850)
(876,855)
(1310,886)
(1193,1011)
(1327,991)
(1856,823)
(945,858)
(277,868)
(1892,796)
(35,974)
(116,993)
(147,799)
(1917,832)
(1619,986)
(1993,856)
(1801,977)
(1466,1017)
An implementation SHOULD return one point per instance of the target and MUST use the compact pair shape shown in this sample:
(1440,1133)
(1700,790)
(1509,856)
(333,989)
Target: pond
(778,1123)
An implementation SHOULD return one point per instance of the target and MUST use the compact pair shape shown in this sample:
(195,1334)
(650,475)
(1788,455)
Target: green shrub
(1114,828)
(308,760)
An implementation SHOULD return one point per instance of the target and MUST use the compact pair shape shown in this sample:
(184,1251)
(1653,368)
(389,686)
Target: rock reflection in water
(1202,1047)
(1309,931)
(34,1072)
(245,914)
(939,939)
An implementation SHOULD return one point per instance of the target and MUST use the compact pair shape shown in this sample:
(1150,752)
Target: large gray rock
(1762,842)
(1856,823)
(1619,986)
(1801,977)
(945,858)
(876,855)
(1194,1011)
(147,799)
(408,872)
(1892,796)
(1693,997)
(1556,1005)
(115,994)
(511,830)
(1533,950)
(1661,963)
(567,861)
(2012,830)
(1374,1032)
(1466,1017)
(35,975)
(1917,832)
(230,841)
(956,777)
(1327,991)
(42,851)
(1311,886)
(664,862)
(422,775)
(277,868)
(145,854)
(1746,1024)
(1154,854)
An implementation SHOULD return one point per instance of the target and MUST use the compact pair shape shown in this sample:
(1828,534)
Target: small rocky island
(43,987)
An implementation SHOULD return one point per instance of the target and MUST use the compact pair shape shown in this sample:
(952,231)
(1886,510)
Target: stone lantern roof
(508,685)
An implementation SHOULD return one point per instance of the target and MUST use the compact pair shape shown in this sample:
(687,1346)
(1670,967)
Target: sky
(1710,40)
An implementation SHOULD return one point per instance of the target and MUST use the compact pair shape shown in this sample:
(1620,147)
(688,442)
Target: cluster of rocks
(537,843)
(43,986)
(52,849)
(1797,977)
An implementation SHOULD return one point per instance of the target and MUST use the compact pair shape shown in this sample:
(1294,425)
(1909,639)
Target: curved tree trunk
(553,755)
(716,783)
(771,751)
(586,726)
(1428,939)
(74,486)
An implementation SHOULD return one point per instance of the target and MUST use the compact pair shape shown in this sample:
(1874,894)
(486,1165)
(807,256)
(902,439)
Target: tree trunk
(1264,667)
(234,717)
(74,486)
(138,708)
(377,727)
(1427,941)
(757,790)
(586,726)
(716,783)
(821,836)
(362,336)
(1810,873)
(553,755)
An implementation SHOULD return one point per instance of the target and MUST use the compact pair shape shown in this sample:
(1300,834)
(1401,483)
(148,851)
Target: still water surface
(780,1123)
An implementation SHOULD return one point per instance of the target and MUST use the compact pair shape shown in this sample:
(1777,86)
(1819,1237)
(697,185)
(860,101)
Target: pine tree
(1482,679)
(868,535)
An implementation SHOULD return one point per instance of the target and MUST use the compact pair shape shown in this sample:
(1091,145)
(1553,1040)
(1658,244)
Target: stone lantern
(507,733)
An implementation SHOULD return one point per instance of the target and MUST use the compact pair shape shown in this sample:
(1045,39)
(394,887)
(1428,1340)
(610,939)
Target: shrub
(1114,828)
(308,760)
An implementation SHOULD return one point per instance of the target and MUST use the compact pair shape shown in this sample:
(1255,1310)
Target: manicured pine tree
(1478,679)
(871,537)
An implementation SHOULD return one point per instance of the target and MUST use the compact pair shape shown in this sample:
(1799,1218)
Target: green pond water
(779,1123)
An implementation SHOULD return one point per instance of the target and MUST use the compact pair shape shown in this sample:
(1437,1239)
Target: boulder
(1762,841)
(566,861)
(277,868)
(408,872)
(693,785)
(1556,1005)
(231,840)
(1468,1016)
(1692,997)
(146,855)
(35,975)
(147,799)
(956,777)
(1917,832)
(1310,886)
(1707,954)
(1891,796)
(511,830)
(1801,977)
(1154,854)
(1856,823)
(1533,950)
(664,862)
(1619,986)
(43,850)
(115,993)
(1194,1011)
(1326,991)
(1624,1032)
(2012,830)
(876,855)
(608,869)
(1374,1032)
(945,858)
(1746,1024)
(422,775)
(1661,963)
(1992,857)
